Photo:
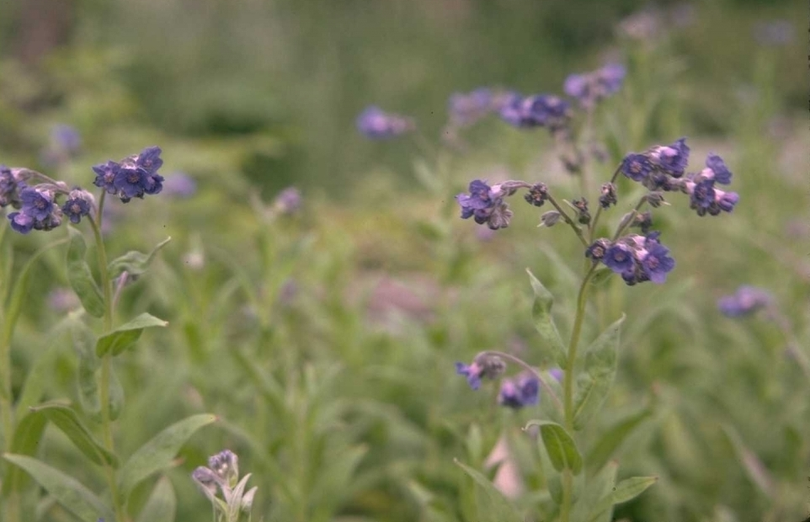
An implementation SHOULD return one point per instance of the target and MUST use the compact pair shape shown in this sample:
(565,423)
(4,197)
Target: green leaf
(161,505)
(116,395)
(133,262)
(594,383)
(126,335)
(595,489)
(84,342)
(158,453)
(80,277)
(27,437)
(560,446)
(624,491)
(69,492)
(492,504)
(553,349)
(601,452)
(66,420)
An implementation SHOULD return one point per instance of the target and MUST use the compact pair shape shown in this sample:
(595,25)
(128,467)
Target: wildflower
(581,208)
(636,166)
(466,109)
(542,110)
(671,159)
(745,301)
(134,177)
(222,473)
(619,258)
(77,205)
(379,125)
(557,374)
(105,176)
(225,466)
(490,366)
(655,262)
(36,203)
(485,204)
(9,187)
(519,392)
(22,223)
(66,138)
(716,169)
(635,257)
(598,249)
(643,221)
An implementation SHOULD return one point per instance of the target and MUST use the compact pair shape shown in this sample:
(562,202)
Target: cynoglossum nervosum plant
(222,475)
(44,204)
(636,256)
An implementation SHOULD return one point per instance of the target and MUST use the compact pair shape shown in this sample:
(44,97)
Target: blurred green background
(325,341)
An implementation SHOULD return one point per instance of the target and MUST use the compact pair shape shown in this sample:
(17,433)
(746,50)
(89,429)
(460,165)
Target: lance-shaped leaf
(126,335)
(64,418)
(493,506)
(69,492)
(158,453)
(84,342)
(27,437)
(161,505)
(596,488)
(596,379)
(560,446)
(601,452)
(133,262)
(80,277)
(624,491)
(553,347)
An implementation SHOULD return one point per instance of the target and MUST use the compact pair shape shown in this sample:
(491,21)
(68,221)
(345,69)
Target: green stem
(568,385)
(567,219)
(12,504)
(106,361)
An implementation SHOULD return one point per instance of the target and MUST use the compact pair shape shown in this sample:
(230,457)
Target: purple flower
(725,201)
(717,170)
(542,110)
(636,166)
(77,206)
(130,182)
(519,392)
(485,204)
(577,86)
(288,200)
(10,186)
(619,258)
(105,176)
(598,249)
(378,125)
(656,262)
(592,87)
(36,203)
(557,374)
(20,222)
(671,159)
(702,195)
(66,138)
(610,77)
(489,366)
(149,159)
(467,108)
(746,300)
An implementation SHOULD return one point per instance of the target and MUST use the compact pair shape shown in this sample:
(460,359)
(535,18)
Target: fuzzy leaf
(596,488)
(601,452)
(624,491)
(553,348)
(158,453)
(69,492)
(492,504)
(27,437)
(64,418)
(560,446)
(80,277)
(84,342)
(161,505)
(126,335)
(133,262)
(595,381)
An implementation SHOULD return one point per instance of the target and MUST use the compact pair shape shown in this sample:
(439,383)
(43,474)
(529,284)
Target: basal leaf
(133,262)
(161,505)
(491,501)
(553,347)
(64,418)
(596,379)
(69,492)
(125,336)
(80,277)
(158,453)
(560,446)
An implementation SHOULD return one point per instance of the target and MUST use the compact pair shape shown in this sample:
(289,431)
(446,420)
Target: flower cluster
(590,88)
(635,257)
(489,366)
(745,301)
(223,473)
(376,124)
(541,110)
(662,168)
(134,177)
(485,204)
(40,211)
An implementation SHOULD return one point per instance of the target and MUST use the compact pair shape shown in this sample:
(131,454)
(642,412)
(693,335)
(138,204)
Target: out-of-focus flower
(489,366)
(179,185)
(745,301)
(376,124)
(541,110)
(467,108)
(523,390)
(288,201)
(590,88)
